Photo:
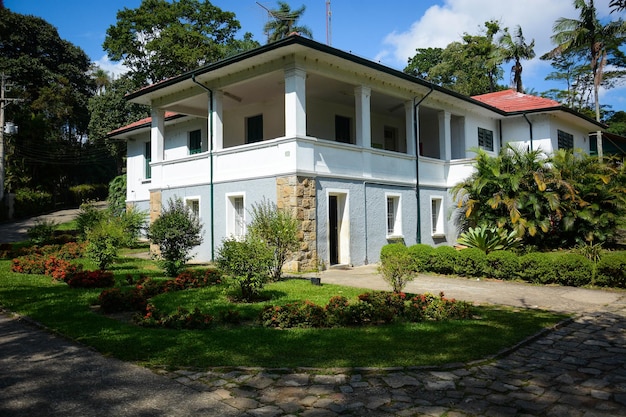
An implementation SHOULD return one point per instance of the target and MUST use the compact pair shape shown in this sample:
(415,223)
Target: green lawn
(69,312)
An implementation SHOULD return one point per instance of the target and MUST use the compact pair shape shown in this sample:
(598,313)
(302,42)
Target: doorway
(338,230)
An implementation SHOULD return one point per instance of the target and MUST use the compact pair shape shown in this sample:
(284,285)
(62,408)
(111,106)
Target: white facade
(300,109)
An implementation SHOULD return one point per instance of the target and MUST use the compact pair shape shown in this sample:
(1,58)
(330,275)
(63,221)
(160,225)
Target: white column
(410,131)
(445,137)
(362,96)
(157,134)
(295,102)
(217,118)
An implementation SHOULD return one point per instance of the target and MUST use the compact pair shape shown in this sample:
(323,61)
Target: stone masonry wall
(298,195)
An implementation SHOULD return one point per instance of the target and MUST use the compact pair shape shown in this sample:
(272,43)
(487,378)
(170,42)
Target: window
(194,205)
(235,215)
(254,129)
(485,139)
(436,216)
(342,129)
(195,142)
(391,138)
(148,158)
(394,225)
(565,140)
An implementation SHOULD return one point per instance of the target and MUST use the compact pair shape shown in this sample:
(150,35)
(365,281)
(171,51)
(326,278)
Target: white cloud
(442,24)
(114,69)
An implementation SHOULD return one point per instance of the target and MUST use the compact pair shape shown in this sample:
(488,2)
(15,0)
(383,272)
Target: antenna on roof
(328,26)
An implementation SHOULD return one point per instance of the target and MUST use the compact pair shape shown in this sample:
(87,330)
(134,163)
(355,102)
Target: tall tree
(283,21)
(514,48)
(469,67)
(161,39)
(51,76)
(588,33)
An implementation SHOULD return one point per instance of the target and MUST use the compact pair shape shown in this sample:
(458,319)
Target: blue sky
(387,32)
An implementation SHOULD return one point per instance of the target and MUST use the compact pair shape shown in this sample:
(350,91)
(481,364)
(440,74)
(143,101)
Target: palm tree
(515,48)
(588,33)
(283,23)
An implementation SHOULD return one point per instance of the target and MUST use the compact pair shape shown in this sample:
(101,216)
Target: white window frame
(189,202)
(236,225)
(437,224)
(395,216)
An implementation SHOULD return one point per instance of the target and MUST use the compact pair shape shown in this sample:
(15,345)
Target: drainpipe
(417,164)
(531,131)
(212,205)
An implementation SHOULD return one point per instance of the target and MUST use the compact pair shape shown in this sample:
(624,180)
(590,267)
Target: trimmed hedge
(611,271)
(471,262)
(503,264)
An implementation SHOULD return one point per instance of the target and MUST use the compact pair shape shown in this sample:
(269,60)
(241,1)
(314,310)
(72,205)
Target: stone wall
(298,194)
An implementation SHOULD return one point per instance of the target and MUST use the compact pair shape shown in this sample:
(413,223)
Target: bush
(103,242)
(430,307)
(117,195)
(181,319)
(115,301)
(90,279)
(175,232)
(386,306)
(29,202)
(502,264)
(133,222)
(278,228)
(471,262)
(537,268)
(573,270)
(300,314)
(88,192)
(489,239)
(396,266)
(420,255)
(42,232)
(88,217)
(248,263)
(443,259)
(611,270)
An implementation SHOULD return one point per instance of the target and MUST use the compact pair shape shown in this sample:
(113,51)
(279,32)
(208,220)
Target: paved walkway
(575,370)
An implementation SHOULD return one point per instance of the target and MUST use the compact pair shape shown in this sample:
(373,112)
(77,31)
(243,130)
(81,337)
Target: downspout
(531,131)
(417,165)
(500,129)
(211,188)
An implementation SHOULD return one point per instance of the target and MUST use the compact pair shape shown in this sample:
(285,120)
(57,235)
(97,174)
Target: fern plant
(488,239)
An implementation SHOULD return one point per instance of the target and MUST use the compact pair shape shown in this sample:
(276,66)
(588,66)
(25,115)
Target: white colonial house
(362,153)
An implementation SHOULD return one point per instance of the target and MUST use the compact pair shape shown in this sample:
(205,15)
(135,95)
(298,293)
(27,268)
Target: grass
(68,311)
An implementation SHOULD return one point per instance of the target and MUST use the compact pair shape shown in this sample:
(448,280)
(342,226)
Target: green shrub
(29,202)
(443,260)
(88,192)
(133,222)
(591,251)
(301,314)
(247,262)
(386,306)
(537,268)
(396,266)
(278,228)
(502,264)
(103,242)
(489,239)
(117,195)
(471,262)
(611,270)
(573,270)
(88,217)
(42,232)
(176,231)
(431,307)
(420,255)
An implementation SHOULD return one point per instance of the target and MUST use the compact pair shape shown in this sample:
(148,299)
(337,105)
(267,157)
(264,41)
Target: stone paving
(575,370)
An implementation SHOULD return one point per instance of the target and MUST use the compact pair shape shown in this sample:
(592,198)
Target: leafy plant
(117,195)
(88,216)
(420,255)
(278,228)
(537,267)
(488,239)
(133,222)
(573,270)
(176,232)
(247,262)
(471,262)
(502,264)
(611,271)
(42,232)
(443,260)
(396,266)
(103,241)
(591,251)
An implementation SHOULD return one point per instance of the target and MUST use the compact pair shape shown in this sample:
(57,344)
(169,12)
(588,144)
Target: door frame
(342,241)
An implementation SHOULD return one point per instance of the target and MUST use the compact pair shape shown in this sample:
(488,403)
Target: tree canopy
(161,39)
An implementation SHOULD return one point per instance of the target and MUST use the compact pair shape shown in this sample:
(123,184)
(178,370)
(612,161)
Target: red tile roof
(512,101)
(140,123)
